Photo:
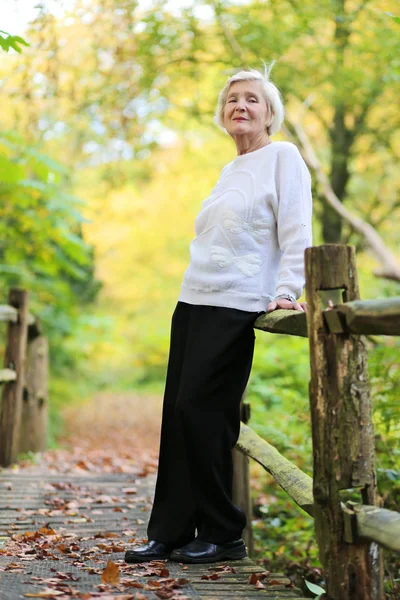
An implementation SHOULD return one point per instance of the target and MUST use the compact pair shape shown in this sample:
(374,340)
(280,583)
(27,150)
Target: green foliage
(41,244)
(278,394)
(315,589)
(384,369)
(8,41)
(395,19)
(42,249)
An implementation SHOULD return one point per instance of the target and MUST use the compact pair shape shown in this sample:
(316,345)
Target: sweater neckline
(241,157)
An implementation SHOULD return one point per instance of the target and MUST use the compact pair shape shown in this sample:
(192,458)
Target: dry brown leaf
(253,579)
(47,531)
(131,490)
(213,576)
(110,573)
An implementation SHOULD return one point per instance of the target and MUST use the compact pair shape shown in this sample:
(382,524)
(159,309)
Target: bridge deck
(58,532)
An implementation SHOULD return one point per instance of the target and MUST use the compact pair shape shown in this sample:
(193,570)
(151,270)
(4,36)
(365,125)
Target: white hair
(271,94)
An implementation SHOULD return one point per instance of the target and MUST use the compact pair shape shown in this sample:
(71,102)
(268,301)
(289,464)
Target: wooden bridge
(350,536)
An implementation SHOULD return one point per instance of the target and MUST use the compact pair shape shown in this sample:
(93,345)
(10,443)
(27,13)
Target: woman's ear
(270,117)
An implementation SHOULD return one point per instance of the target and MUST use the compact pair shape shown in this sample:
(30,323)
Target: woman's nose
(240,105)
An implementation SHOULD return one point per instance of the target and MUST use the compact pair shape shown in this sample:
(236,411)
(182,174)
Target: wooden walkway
(58,532)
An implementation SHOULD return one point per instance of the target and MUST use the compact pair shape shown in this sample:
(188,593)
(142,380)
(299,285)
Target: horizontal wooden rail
(7,375)
(368,522)
(373,523)
(365,317)
(9,313)
(292,479)
(369,317)
(283,321)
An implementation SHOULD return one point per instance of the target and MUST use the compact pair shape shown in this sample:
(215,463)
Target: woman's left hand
(287,305)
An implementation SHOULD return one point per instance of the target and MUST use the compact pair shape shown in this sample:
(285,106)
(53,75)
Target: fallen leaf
(110,573)
(213,576)
(131,490)
(47,531)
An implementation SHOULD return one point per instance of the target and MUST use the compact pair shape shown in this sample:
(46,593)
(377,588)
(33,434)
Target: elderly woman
(247,258)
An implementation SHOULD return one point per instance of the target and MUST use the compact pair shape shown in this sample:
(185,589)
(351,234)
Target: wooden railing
(349,535)
(23,415)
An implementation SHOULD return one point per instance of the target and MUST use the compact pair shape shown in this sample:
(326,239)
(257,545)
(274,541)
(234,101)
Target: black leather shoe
(151,551)
(199,551)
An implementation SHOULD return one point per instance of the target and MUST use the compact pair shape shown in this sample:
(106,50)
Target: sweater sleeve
(294,219)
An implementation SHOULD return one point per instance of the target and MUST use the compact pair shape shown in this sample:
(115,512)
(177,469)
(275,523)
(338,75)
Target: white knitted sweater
(252,231)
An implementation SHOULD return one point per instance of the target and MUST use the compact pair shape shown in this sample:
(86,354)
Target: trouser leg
(172,519)
(220,349)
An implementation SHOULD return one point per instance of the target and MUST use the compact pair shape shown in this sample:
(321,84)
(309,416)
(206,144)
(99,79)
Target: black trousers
(211,353)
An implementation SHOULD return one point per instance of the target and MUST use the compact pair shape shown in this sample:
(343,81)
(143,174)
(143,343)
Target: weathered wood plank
(10,314)
(373,523)
(7,375)
(232,586)
(343,443)
(292,479)
(241,495)
(377,524)
(14,358)
(35,398)
(367,317)
(283,321)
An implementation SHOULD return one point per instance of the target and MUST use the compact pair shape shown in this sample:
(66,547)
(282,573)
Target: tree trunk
(340,135)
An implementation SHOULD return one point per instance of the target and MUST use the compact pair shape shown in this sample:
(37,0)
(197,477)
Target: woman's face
(246,111)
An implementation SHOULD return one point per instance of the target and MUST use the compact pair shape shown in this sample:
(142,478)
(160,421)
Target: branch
(230,38)
(390,266)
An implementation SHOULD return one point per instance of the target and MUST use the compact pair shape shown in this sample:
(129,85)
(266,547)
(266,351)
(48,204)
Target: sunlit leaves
(41,244)
(8,41)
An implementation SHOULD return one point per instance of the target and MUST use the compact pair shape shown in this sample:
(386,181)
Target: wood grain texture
(11,405)
(35,397)
(366,317)
(283,321)
(7,375)
(292,479)
(342,431)
(241,495)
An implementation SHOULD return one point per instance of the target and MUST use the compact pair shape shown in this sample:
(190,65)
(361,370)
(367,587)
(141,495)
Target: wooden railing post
(11,404)
(241,483)
(34,406)
(342,431)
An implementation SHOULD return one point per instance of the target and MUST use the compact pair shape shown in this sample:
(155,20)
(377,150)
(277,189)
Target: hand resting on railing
(287,305)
